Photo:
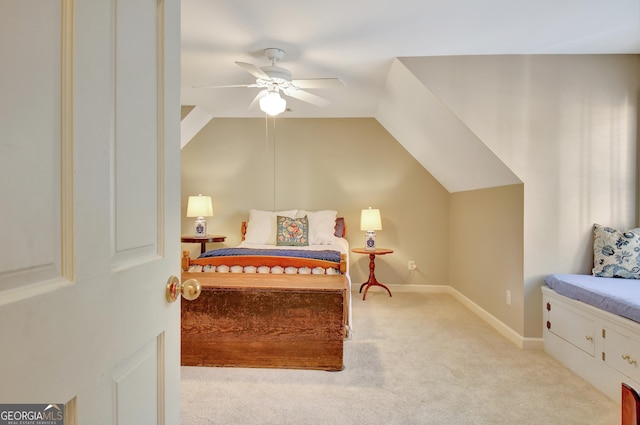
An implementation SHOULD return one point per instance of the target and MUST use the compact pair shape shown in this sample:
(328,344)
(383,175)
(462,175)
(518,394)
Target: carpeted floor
(416,358)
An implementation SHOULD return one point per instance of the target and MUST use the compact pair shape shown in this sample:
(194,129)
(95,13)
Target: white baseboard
(504,330)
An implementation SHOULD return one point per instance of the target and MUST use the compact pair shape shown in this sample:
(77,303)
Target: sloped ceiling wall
(566,125)
(194,119)
(436,137)
(427,129)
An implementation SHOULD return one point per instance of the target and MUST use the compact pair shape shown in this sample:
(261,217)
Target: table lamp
(200,207)
(370,222)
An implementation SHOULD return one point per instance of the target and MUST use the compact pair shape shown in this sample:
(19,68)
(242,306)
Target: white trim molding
(504,330)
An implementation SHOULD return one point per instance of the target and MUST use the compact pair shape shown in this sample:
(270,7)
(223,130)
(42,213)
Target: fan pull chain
(274,162)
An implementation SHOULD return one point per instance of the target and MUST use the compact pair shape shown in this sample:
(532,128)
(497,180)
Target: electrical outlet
(412,265)
(508,297)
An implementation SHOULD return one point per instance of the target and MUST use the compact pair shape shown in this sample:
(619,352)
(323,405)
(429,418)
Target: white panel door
(89,224)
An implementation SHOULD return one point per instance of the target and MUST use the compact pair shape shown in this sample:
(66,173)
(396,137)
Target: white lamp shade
(199,206)
(370,219)
(272,103)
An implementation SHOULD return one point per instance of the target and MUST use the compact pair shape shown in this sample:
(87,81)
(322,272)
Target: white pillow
(321,226)
(261,227)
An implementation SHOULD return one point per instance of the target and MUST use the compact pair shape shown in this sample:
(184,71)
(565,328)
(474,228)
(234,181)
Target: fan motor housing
(277,72)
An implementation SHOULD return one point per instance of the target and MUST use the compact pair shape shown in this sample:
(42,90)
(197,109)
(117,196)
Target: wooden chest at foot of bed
(266,321)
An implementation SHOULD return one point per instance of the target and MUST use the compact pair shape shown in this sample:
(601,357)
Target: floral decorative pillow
(292,231)
(616,253)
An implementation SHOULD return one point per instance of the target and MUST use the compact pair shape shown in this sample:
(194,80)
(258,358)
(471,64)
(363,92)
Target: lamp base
(370,241)
(201,227)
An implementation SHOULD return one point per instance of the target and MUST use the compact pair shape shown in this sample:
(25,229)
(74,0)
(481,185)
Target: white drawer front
(572,327)
(622,353)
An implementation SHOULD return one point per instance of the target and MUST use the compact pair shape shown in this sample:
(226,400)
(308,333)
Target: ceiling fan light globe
(272,104)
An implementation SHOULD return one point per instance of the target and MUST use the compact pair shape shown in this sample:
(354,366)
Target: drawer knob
(629,359)
(589,338)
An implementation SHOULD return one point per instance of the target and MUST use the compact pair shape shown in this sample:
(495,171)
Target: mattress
(615,295)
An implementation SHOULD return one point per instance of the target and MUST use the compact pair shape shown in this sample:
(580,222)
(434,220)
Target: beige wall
(567,126)
(341,164)
(486,250)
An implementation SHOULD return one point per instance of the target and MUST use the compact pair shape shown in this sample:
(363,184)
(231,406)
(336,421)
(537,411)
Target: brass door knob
(189,289)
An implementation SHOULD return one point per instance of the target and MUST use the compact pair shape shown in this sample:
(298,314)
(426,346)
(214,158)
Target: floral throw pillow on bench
(616,253)
(292,231)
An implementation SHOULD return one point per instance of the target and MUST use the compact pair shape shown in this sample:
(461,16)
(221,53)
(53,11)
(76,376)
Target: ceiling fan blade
(224,87)
(308,97)
(253,70)
(256,99)
(318,83)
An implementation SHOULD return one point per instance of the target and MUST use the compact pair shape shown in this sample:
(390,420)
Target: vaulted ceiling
(359,41)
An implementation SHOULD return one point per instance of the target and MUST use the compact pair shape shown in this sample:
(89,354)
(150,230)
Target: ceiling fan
(275,80)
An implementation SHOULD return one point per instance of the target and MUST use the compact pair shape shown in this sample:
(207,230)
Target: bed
(292,267)
(592,322)
(325,250)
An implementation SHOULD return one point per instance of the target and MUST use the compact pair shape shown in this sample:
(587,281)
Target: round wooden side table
(203,241)
(372,281)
